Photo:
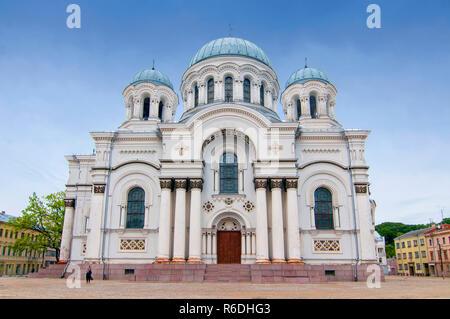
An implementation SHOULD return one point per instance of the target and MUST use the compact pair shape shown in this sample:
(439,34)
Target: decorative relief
(83,248)
(321,150)
(180,183)
(208,206)
(229,224)
(228,201)
(99,189)
(196,183)
(361,188)
(276,183)
(291,183)
(248,206)
(327,246)
(137,151)
(275,148)
(165,183)
(132,244)
(261,183)
(69,202)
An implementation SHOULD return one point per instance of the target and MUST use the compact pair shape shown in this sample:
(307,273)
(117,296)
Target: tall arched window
(229,174)
(312,106)
(210,90)
(247,90)
(146,113)
(261,95)
(323,209)
(136,208)
(160,110)
(299,109)
(228,89)
(195,95)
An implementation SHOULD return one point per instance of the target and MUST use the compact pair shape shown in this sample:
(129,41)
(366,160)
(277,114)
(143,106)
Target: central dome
(230,47)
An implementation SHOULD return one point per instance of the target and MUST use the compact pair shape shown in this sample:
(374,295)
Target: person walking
(89,275)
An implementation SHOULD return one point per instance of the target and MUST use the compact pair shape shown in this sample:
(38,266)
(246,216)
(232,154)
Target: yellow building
(411,251)
(12,262)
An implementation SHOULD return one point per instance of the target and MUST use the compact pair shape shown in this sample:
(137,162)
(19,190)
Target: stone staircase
(52,271)
(227,273)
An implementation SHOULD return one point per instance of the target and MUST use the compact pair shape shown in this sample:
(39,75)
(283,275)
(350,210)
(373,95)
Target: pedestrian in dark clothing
(89,275)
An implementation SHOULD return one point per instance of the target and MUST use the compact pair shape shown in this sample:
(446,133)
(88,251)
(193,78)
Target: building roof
(152,76)
(230,46)
(414,233)
(4,218)
(307,74)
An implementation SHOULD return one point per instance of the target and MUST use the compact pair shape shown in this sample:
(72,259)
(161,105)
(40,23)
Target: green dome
(305,75)
(230,46)
(153,76)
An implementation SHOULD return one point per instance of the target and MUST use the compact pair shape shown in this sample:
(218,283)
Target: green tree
(46,217)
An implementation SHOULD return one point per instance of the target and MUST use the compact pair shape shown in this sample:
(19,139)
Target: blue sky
(58,84)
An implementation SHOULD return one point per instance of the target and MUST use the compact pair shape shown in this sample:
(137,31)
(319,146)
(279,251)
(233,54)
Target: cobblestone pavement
(393,287)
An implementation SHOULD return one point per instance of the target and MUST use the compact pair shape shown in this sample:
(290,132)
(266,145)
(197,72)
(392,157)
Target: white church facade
(230,182)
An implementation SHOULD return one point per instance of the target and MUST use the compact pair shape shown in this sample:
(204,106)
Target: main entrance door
(228,247)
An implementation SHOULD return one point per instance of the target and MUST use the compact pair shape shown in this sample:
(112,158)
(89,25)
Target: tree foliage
(44,215)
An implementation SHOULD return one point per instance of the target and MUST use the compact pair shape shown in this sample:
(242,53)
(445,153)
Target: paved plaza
(393,287)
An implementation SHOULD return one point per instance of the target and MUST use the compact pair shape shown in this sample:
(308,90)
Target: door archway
(229,241)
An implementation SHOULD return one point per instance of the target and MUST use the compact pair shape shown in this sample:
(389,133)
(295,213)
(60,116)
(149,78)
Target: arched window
(229,174)
(210,90)
(323,209)
(247,90)
(146,113)
(261,95)
(136,208)
(195,95)
(312,106)
(228,89)
(160,110)
(299,108)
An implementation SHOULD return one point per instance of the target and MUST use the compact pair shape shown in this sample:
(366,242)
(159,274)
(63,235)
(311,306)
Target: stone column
(253,243)
(190,99)
(195,221)
(306,111)
(292,221)
(332,104)
(208,243)
(201,94)
(180,221)
(94,237)
(249,243)
(262,239)
(242,244)
(137,110)
(239,89)
(66,240)
(204,243)
(164,220)
(277,222)
(322,106)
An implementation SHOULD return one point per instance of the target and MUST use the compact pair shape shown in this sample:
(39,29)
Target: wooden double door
(229,247)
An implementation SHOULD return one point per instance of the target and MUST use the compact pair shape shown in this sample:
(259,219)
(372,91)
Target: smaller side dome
(307,74)
(153,76)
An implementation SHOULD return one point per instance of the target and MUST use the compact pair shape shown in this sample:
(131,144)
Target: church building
(230,181)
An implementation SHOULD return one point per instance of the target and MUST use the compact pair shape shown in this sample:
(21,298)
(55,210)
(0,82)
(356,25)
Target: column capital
(180,183)
(69,202)
(291,182)
(165,183)
(196,183)
(99,188)
(361,188)
(260,183)
(276,183)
